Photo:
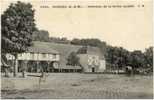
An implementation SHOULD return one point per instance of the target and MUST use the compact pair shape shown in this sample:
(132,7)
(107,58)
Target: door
(93,69)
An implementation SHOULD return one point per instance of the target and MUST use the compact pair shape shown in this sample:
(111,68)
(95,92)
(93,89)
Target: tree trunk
(6,72)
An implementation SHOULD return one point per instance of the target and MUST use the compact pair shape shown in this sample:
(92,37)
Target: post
(37,66)
(118,68)
(24,68)
(48,67)
(15,66)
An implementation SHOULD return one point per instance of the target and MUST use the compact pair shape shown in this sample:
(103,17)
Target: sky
(130,28)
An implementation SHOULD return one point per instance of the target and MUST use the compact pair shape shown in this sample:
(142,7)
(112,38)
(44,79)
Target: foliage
(41,35)
(73,59)
(149,56)
(17,27)
(137,59)
(85,42)
(62,40)
(117,56)
(90,42)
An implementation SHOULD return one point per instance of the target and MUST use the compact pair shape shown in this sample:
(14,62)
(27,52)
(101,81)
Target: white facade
(93,60)
(90,62)
(35,56)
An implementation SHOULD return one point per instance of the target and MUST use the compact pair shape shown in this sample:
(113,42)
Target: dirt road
(80,86)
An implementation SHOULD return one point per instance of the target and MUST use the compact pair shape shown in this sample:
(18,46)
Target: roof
(69,67)
(91,51)
(95,51)
(36,48)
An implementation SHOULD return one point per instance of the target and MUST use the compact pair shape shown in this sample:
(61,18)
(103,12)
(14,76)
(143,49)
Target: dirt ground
(79,86)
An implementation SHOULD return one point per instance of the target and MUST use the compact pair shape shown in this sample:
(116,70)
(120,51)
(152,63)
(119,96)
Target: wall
(102,66)
(84,62)
(36,56)
(39,56)
(91,61)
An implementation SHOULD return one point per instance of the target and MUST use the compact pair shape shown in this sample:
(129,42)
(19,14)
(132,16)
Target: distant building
(92,60)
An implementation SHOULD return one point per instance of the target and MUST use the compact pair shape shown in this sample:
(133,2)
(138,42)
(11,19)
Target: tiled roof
(36,48)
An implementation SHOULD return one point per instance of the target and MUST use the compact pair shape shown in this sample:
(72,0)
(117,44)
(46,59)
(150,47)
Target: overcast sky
(130,28)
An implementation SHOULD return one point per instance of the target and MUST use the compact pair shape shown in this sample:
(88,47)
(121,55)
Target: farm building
(52,57)
(66,49)
(41,56)
(92,60)
(36,58)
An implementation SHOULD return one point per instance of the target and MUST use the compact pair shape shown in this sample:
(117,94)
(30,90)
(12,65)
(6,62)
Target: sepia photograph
(76,49)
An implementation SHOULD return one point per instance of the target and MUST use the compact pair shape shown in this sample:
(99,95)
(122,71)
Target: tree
(41,35)
(17,27)
(149,56)
(73,59)
(76,41)
(117,57)
(136,60)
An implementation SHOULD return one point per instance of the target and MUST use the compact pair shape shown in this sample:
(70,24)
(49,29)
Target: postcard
(76,49)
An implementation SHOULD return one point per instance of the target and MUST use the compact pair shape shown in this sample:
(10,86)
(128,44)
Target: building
(42,55)
(37,59)
(52,57)
(92,60)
